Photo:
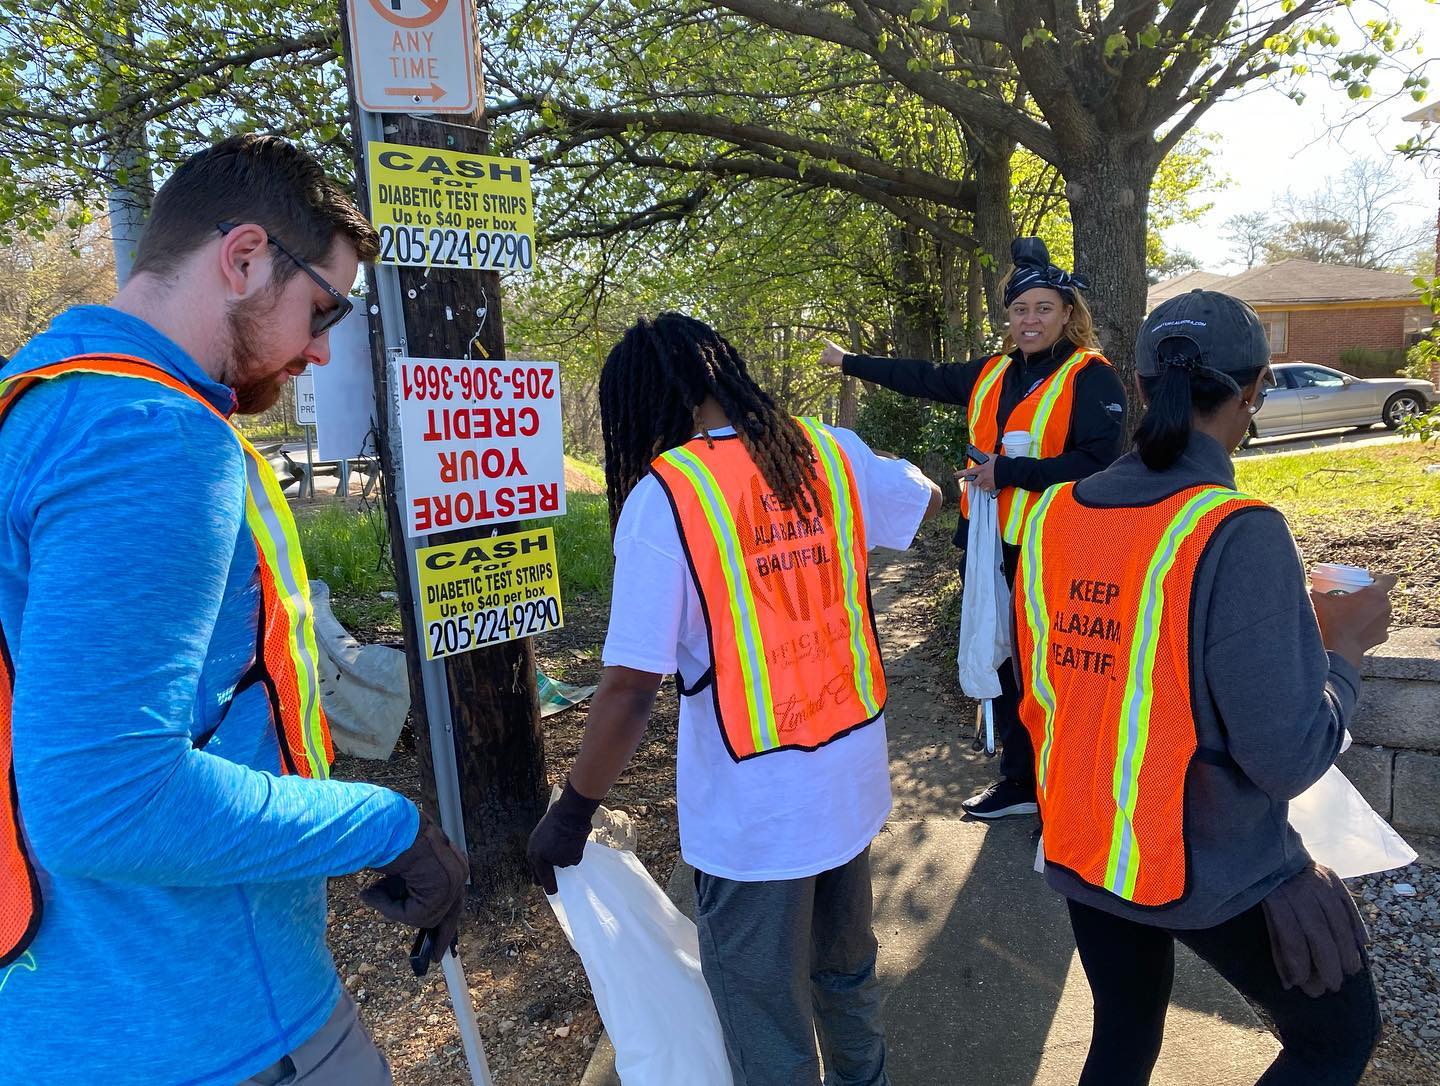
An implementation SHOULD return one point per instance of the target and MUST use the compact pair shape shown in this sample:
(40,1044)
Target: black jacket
(1097,419)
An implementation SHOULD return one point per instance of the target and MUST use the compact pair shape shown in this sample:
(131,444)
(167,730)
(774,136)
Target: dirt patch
(533,1003)
(1407,546)
(582,479)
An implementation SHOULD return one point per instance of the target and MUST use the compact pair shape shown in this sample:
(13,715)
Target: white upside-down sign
(481,442)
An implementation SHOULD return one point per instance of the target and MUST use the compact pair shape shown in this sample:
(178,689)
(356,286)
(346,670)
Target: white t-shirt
(787,814)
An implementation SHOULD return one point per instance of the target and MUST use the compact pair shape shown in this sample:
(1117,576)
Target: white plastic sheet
(1343,832)
(1340,830)
(985,604)
(642,956)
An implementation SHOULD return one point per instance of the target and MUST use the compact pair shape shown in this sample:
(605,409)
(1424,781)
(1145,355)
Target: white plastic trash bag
(642,956)
(1343,832)
(985,604)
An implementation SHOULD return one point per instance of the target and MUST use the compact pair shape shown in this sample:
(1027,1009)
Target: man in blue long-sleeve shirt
(179,856)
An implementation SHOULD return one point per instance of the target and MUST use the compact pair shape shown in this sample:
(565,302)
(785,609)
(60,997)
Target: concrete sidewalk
(983,984)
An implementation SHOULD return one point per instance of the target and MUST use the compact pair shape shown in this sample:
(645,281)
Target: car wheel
(1399,407)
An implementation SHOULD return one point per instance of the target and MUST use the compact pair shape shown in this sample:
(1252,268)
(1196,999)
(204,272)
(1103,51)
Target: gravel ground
(1402,910)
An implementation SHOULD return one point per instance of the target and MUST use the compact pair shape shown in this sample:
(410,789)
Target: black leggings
(1130,967)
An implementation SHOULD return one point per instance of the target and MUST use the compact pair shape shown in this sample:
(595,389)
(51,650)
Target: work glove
(424,887)
(1316,935)
(558,840)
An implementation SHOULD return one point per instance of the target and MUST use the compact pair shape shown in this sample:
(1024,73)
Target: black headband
(1029,276)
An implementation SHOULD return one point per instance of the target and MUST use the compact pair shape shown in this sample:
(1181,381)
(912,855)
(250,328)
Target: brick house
(1313,311)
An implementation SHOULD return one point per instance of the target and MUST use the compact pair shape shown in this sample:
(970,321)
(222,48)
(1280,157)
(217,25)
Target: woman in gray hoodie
(1181,685)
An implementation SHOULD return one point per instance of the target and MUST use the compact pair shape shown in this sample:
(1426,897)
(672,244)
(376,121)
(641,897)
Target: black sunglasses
(320,323)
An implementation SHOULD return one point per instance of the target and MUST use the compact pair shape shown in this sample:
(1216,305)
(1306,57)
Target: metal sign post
(437,698)
(304,387)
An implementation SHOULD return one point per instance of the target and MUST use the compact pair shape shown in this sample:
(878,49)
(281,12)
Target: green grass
(1375,480)
(281,429)
(582,540)
(347,549)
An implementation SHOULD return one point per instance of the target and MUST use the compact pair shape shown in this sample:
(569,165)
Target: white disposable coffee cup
(1017,443)
(1337,579)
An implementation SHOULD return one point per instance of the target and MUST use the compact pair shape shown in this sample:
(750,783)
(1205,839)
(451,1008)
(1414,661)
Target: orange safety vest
(1044,411)
(785,594)
(286,653)
(1104,646)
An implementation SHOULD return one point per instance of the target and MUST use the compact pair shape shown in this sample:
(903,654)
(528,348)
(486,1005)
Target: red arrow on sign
(434,91)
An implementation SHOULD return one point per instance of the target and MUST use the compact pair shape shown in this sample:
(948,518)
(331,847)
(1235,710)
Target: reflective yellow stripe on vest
(1022,501)
(982,391)
(848,525)
(1037,618)
(268,516)
(754,671)
(1124,863)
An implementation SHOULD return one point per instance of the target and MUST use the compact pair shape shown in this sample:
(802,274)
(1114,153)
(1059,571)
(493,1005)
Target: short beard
(256,390)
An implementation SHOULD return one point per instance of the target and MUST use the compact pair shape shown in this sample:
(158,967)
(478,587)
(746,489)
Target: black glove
(424,887)
(558,840)
(1316,935)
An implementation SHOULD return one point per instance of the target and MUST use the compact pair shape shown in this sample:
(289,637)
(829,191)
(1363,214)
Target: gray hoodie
(1265,690)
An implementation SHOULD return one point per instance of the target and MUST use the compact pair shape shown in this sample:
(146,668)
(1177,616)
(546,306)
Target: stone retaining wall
(1395,759)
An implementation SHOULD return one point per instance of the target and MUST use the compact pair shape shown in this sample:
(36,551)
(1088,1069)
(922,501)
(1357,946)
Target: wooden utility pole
(499,747)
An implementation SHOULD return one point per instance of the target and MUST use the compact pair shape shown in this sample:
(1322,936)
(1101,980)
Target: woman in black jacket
(1051,378)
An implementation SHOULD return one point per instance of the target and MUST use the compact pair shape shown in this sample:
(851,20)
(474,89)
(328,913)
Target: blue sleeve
(131,525)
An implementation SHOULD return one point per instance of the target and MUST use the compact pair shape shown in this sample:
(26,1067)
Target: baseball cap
(1225,331)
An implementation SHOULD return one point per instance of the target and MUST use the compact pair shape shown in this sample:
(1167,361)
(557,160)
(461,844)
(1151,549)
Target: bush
(1420,360)
(922,432)
(1426,427)
(1373,361)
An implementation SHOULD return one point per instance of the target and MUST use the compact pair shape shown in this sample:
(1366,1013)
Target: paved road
(1270,446)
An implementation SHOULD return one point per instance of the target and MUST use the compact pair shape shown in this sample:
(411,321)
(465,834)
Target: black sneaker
(1002,799)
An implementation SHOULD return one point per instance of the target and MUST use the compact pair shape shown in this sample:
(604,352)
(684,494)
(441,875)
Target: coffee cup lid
(1341,573)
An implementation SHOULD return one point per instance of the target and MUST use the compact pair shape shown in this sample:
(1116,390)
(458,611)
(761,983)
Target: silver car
(1311,397)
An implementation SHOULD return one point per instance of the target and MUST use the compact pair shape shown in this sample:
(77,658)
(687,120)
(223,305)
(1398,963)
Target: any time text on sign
(414,56)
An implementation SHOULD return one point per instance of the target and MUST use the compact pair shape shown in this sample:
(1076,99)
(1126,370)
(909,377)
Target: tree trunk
(915,325)
(975,311)
(127,158)
(849,406)
(994,223)
(1109,196)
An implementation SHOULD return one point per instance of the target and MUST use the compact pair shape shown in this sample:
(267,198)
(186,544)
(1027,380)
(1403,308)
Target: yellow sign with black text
(486,591)
(446,209)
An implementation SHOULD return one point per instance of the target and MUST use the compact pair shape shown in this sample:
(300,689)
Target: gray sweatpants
(340,1054)
(788,960)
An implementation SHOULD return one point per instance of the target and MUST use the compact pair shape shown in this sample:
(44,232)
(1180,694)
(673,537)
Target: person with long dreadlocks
(740,537)
(1052,382)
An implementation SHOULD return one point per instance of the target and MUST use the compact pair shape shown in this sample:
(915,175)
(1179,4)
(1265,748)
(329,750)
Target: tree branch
(960,101)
